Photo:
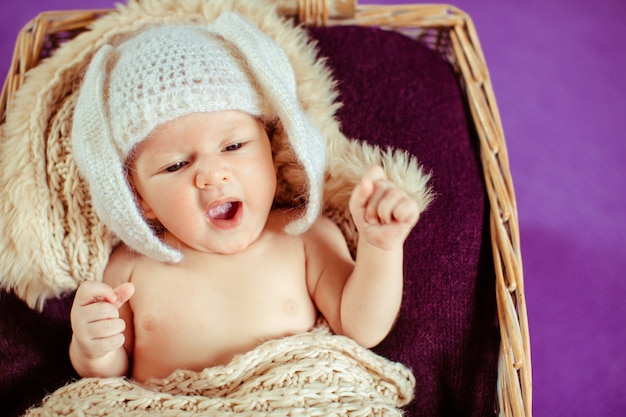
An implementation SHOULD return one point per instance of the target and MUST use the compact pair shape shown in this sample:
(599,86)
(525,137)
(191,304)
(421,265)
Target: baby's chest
(229,311)
(203,307)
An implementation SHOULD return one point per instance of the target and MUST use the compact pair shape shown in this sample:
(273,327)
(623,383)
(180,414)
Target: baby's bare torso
(209,308)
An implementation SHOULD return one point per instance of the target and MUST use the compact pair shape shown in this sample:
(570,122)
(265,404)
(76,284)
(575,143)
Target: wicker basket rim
(426,23)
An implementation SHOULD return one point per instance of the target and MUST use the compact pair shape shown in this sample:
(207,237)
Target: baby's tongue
(224,211)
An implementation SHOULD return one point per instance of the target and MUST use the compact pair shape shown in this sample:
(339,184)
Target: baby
(175,131)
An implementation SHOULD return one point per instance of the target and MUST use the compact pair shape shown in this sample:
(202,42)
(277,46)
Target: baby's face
(208,178)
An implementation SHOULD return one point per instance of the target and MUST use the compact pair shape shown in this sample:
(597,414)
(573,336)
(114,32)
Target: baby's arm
(99,331)
(384,216)
(362,299)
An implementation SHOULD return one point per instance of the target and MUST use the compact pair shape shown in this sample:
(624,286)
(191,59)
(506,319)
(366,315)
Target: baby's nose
(211,176)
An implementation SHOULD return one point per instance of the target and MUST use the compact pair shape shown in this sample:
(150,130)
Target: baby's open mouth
(225,211)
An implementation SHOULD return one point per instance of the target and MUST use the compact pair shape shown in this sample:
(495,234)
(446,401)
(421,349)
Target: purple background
(558,70)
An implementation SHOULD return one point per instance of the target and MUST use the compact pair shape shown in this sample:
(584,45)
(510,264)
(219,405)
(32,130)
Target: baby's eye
(233,147)
(175,167)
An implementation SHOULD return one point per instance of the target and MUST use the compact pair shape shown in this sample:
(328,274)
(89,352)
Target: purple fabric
(33,352)
(404,96)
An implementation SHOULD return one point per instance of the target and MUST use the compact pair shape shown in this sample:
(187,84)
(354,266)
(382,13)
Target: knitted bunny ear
(271,68)
(94,155)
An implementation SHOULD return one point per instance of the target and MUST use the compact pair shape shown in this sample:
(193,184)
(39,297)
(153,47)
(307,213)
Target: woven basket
(445,29)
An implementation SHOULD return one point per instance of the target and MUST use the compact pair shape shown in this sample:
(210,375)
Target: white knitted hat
(169,71)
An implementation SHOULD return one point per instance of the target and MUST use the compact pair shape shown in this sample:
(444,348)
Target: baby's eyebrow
(161,152)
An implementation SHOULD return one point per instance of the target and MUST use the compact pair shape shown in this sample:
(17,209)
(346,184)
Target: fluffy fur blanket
(50,238)
(310,374)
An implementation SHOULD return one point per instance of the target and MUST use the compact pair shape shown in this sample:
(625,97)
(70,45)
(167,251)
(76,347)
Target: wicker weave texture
(452,33)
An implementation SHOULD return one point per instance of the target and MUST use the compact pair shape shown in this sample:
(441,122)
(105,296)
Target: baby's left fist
(383,213)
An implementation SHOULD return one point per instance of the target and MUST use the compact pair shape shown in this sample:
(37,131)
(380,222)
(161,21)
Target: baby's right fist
(96,323)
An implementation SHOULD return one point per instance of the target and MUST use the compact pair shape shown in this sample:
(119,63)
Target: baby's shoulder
(280,218)
(321,229)
(120,265)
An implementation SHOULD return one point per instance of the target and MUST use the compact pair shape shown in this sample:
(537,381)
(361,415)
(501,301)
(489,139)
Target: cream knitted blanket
(310,374)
